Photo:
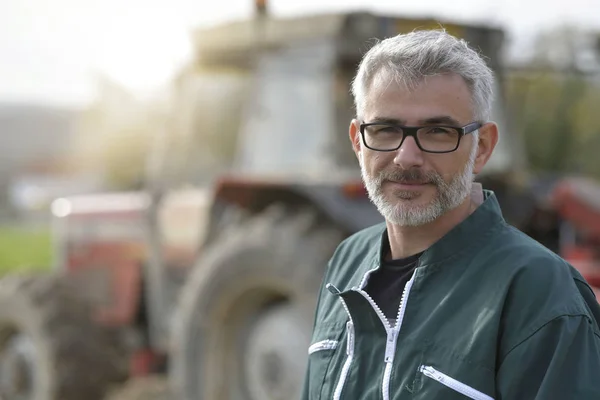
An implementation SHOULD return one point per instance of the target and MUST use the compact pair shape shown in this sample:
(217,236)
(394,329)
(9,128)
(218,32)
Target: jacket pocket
(323,355)
(453,384)
(322,346)
(445,372)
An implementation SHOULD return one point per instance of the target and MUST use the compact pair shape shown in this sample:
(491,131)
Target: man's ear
(354,133)
(488,138)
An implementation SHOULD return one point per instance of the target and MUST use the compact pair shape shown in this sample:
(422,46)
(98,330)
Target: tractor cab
(298,105)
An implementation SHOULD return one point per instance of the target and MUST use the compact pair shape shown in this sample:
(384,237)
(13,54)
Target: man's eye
(386,129)
(439,130)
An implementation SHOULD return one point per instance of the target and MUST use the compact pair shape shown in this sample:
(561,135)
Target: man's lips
(407,186)
(409,183)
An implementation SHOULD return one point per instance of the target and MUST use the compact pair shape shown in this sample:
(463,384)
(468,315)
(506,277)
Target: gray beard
(399,211)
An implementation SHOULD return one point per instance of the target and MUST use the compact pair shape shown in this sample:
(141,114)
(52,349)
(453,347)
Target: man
(444,300)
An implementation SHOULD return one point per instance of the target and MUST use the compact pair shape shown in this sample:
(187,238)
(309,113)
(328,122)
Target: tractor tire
(244,321)
(49,347)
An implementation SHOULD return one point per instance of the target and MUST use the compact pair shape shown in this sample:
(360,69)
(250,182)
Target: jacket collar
(486,218)
(469,233)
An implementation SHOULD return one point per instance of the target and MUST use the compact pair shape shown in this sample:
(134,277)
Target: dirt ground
(148,388)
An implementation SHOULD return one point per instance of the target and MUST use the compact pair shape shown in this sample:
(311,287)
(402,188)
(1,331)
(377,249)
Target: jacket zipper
(453,384)
(392,332)
(349,346)
(346,368)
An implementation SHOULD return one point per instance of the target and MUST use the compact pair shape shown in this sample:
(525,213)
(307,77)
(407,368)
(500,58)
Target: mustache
(411,175)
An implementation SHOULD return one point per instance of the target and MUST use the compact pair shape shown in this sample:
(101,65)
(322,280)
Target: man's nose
(409,155)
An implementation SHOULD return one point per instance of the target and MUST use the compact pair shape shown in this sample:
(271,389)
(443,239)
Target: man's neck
(407,241)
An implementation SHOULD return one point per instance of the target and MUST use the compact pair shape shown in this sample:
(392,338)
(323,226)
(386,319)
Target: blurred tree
(586,122)
(114,135)
(554,99)
(185,135)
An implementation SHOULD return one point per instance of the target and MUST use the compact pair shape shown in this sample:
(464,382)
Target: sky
(53,51)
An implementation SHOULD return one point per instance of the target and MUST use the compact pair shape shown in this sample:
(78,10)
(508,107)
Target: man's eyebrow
(387,120)
(442,119)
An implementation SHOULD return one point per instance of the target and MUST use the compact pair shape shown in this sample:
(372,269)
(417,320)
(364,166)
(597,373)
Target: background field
(25,249)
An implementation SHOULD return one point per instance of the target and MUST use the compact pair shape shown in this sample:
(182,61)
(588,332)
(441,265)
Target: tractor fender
(342,204)
(345,204)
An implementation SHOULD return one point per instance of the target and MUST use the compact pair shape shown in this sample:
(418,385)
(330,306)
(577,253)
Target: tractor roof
(350,31)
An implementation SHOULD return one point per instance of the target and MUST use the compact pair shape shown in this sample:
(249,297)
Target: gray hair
(413,56)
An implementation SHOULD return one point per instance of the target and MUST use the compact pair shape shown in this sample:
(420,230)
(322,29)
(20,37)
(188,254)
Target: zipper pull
(350,337)
(432,373)
(332,289)
(390,346)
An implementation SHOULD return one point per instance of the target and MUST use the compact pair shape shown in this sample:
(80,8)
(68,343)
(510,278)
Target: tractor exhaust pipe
(260,8)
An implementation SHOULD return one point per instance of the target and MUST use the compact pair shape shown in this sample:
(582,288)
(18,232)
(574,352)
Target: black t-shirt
(386,284)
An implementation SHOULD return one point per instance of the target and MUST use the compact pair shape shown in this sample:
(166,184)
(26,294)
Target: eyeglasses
(431,139)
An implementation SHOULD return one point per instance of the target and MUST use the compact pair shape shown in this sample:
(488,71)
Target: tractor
(210,278)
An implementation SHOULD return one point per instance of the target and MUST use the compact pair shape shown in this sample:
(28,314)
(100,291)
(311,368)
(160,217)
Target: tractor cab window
(290,118)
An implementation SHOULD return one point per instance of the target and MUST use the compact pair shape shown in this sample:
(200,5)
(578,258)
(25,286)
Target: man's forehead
(445,97)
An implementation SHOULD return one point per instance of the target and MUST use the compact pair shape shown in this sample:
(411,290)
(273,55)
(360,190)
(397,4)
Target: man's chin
(407,197)
(406,189)
(415,196)
(414,208)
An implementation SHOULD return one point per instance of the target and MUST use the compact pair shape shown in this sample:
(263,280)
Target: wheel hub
(17,368)
(276,354)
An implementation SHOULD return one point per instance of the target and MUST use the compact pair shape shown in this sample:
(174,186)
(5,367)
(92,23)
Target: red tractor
(577,202)
(212,282)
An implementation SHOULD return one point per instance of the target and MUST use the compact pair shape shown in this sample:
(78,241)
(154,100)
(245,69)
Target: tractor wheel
(245,316)
(49,348)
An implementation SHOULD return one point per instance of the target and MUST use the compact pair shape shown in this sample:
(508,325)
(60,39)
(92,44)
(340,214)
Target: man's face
(411,187)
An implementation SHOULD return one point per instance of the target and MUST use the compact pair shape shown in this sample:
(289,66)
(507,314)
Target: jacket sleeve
(306,385)
(561,360)
(305,392)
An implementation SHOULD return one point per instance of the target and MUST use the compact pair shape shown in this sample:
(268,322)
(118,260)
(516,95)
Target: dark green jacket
(488,314)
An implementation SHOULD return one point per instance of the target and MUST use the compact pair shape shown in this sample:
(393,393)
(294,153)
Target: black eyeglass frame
(408,131)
